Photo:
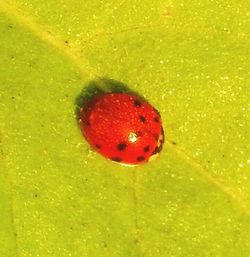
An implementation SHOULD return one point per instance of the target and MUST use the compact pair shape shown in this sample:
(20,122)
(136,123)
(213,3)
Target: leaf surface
(190,59)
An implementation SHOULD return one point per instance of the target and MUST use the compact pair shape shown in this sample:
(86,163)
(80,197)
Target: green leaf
(191,60)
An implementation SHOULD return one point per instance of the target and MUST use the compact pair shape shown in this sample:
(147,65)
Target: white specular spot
(132,137)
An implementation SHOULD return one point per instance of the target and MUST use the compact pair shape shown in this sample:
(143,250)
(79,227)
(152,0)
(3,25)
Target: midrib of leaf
(46,35)
(206,174)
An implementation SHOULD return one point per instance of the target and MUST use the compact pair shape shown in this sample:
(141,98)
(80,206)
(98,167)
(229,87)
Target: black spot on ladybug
(157,149)
(142,119)
(137,103)
(116,159)
(98,146)
(140,158)
(146,149)
(121,146)
(138,133)
(156,119)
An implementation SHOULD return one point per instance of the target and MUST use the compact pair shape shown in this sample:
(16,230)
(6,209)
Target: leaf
(190,59)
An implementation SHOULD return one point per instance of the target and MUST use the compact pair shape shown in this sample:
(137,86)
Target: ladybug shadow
(98,87)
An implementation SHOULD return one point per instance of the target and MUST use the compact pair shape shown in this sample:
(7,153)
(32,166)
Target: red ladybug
(122,127)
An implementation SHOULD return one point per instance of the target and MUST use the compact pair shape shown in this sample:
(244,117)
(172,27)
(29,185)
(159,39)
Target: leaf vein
(47,36)
(229,192)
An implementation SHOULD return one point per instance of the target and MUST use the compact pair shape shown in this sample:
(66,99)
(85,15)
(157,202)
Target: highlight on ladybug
(122,127)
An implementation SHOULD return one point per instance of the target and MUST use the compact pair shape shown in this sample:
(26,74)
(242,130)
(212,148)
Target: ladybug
(122,127)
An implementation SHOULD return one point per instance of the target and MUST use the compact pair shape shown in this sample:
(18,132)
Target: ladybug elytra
(122,127)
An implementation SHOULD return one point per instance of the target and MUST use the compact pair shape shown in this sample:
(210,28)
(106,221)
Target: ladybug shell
(122,127)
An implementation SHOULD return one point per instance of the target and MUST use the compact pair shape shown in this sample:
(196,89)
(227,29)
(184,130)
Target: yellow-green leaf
(191,60)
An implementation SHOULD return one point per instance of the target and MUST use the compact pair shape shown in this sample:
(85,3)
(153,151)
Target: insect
(122,127)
